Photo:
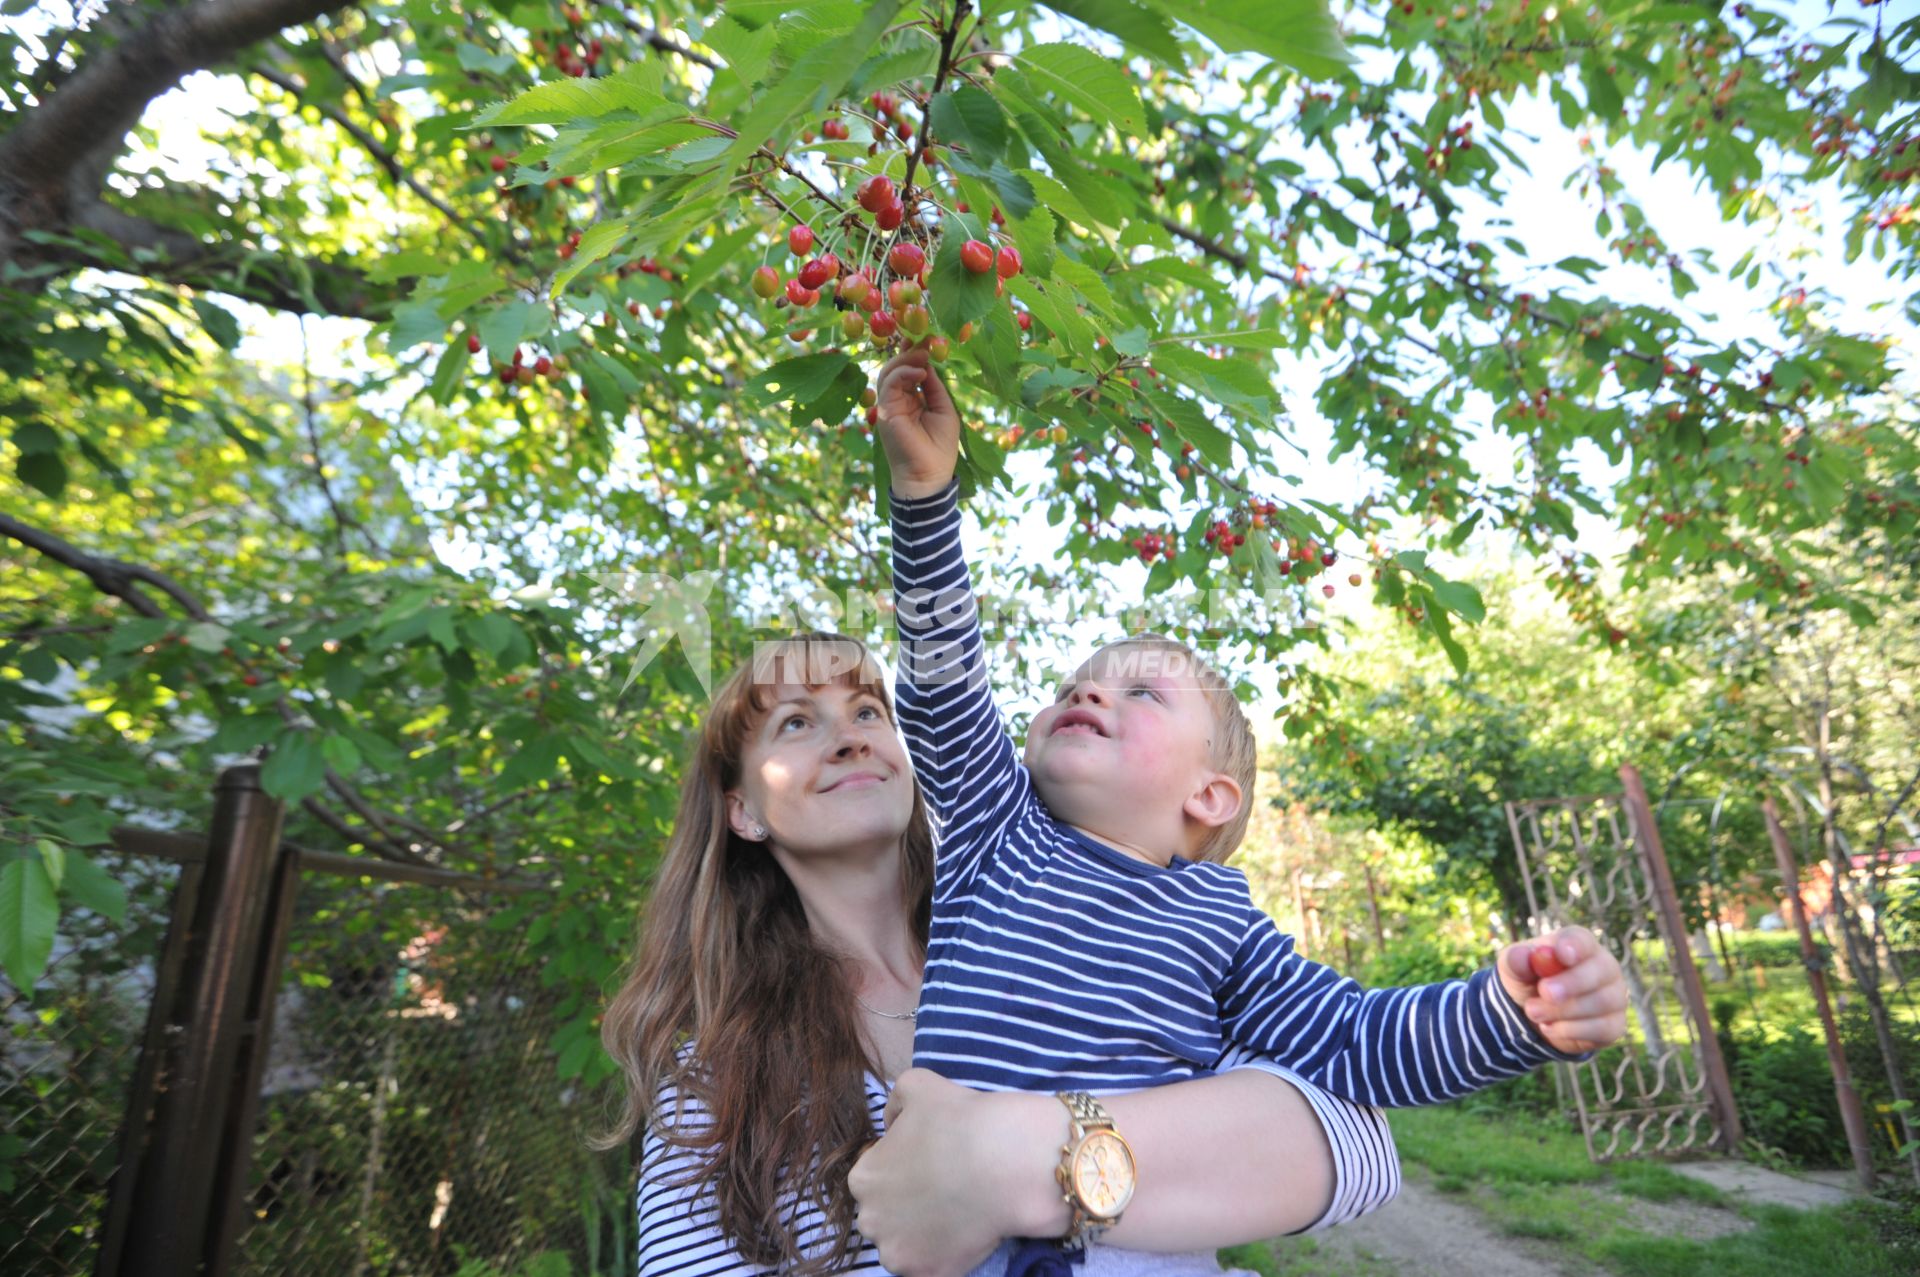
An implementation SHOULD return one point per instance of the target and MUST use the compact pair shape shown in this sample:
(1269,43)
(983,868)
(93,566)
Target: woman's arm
(1236,1157)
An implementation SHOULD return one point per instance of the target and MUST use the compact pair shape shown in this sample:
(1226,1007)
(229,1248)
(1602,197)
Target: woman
(784,938)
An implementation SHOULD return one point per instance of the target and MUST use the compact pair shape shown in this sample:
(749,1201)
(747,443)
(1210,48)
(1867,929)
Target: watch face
(1103,1174)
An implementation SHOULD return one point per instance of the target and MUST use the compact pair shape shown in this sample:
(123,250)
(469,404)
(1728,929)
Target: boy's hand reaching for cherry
(919,426)
(1570,986)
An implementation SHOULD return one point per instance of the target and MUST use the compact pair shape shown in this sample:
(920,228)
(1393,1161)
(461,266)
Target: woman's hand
(936,1195)
(919,426)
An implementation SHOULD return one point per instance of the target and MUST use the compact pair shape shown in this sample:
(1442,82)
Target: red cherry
(473,344)
(800,241)
(800,295)
(876,193)
(1544,961)
(766,282)
(1009,261)
(1025,321)
(498,163)
(872,300)
(906,259)
(1327,590)
(819,271)
(854,288)
(976,256)
(884,324)
(873,416)
(890,217)
(542,366)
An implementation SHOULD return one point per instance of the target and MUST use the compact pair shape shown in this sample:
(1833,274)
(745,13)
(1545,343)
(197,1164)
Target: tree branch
(371,145)
(104,97)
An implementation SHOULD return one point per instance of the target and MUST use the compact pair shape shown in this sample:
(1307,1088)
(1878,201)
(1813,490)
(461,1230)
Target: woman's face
(824,773)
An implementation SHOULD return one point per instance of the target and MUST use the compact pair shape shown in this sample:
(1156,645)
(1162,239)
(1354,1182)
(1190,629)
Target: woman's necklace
(888,1015)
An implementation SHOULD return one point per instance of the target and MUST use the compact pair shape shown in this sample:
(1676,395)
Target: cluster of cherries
(867,308)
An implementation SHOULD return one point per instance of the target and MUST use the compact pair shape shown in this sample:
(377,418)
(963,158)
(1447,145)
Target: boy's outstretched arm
(961,752)
(1426,1043)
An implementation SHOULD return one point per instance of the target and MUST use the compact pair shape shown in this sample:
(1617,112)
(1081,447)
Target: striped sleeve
(966,763)
(1366,1165)
(1423,1044)
(678,1233)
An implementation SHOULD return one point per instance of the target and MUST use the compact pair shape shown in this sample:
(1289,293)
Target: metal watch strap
(1084,1113)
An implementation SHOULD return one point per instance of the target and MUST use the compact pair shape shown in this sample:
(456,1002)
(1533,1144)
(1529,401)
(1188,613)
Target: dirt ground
(1436,1234)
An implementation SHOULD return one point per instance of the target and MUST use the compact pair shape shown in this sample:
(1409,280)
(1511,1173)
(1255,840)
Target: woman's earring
(759,831)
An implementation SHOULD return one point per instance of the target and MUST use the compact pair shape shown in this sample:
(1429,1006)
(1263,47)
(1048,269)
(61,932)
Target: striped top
(1058,963)
(678,1235)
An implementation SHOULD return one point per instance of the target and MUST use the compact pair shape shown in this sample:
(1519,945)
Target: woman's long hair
(727,966)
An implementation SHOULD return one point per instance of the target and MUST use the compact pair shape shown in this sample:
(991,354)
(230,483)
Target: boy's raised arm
(961,751)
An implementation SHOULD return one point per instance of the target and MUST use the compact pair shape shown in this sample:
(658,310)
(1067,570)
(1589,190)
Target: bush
(1784,1088)
(1424,954)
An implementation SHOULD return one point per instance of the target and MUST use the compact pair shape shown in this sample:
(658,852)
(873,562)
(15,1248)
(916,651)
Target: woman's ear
(743,825)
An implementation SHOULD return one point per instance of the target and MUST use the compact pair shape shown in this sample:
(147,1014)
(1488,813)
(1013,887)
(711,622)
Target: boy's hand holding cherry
(918,424)
(1570,986)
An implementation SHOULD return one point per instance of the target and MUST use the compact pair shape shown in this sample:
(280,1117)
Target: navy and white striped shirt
(678,1232)
(1058,963)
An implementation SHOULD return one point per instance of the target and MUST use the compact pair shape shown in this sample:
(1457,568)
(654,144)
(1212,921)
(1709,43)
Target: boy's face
(1124,746)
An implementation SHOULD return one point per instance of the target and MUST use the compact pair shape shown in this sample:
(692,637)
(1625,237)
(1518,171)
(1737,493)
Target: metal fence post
(1852,1116)
(1686,974)
(171,1198)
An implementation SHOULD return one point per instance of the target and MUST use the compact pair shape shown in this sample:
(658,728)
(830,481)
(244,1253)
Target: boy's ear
(1216,802)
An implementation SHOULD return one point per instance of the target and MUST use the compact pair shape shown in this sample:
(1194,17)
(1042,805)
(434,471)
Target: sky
(1554,221)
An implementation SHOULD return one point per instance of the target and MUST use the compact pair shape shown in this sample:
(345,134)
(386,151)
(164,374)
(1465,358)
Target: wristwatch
(1096,1171)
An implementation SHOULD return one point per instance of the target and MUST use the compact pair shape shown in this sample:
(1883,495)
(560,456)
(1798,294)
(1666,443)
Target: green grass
(1848,1240)
(1531,1178)
(1301,1257)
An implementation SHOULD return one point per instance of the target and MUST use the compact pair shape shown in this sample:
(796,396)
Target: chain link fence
(67,1056)
(411,1120)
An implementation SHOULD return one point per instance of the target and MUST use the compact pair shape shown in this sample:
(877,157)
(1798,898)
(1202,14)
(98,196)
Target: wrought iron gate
(1598,862)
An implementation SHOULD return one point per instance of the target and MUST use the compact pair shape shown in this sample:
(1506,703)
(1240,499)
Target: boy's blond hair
(1232,746)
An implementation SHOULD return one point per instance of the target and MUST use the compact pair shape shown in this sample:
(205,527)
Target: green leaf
(1603,95)
(599,240)
(800,379)
(1459,598)
(295,768)
(1135,25)
(42,470)
(1301,34)
(832,405)
(971,118)
(1096,85)
(340,754)
(533,762)
(635,87)
(91,887)
(955,294)
(54,857)
(1443,630)
(28,911)
(506,327)
(821,73)
(716,256)
(220,325)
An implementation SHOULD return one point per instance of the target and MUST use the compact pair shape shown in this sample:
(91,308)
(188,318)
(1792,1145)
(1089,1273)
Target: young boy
(1082,927)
